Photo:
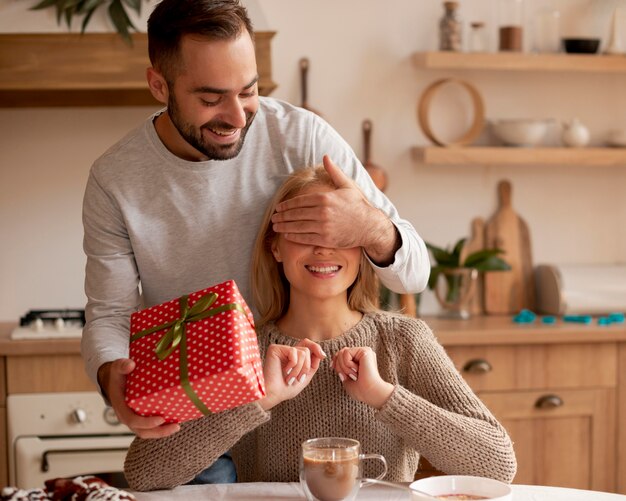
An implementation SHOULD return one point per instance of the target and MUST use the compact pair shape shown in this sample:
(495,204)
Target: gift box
(194,355)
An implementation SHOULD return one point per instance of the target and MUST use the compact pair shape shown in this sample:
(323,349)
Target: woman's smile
(323,270)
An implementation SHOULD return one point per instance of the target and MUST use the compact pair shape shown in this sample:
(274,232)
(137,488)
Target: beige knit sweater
(432,411)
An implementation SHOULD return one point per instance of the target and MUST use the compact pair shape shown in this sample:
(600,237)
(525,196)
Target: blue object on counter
(549,319)
(612,318)
(525,317)
(579,319)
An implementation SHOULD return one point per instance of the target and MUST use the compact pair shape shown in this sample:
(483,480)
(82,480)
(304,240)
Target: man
(175,205)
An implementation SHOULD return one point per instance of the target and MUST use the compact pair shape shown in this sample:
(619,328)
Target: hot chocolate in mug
(331,469)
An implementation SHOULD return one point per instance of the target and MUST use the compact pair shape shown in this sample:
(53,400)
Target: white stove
(54,435)
(50,324)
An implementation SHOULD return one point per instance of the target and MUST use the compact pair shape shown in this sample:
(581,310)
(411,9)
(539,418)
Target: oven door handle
(45,465)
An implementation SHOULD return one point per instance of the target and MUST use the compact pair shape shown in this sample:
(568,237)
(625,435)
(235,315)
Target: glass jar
(478,37)
(511,25)
(547,33)
(450,27)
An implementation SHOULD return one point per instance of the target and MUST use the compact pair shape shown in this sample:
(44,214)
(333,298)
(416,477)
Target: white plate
(493,490)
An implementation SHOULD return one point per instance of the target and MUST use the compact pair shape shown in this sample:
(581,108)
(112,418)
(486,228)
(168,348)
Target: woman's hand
(358,370)
(288,370)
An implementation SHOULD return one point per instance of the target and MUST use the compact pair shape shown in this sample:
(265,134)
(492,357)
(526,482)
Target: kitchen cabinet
(558,390)
(94,69)
(36,366)
(558,404)
(578,372)
(4,466)
(520,62)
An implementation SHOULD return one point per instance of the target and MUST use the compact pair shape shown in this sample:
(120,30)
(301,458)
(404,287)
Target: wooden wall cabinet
(94,69)
(558,403)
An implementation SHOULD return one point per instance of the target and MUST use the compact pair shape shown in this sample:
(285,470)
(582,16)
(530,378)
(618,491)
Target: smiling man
(174,206)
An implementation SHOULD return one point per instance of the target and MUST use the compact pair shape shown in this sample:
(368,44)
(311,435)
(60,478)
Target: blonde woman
(334,366)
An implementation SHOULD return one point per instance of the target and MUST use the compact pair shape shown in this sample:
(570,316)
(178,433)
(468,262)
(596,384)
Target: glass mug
(331,469)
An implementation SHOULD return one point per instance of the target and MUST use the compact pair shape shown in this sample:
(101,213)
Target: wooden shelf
(474,155)
(95,69)
(506,61)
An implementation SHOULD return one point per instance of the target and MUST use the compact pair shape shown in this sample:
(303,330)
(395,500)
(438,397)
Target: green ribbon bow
(176,336)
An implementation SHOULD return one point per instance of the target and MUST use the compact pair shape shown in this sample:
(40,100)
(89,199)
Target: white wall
(360,52)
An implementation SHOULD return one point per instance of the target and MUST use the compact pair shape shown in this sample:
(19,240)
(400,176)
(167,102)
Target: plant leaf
(120,20)
(478,256)
(88,6)
(434,275)
(134,4)
(87,18)
(44,4)
(442,257)
(493,263)
(458,247)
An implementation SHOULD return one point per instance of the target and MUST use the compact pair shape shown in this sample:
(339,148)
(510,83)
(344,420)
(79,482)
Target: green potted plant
(460,273)
(67,9)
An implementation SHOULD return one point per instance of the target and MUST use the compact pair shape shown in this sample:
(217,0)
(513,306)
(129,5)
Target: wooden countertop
(484,330)
(24,347)
(501,330)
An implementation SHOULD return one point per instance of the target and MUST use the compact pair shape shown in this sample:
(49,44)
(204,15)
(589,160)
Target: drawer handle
(549,402)
(477,366)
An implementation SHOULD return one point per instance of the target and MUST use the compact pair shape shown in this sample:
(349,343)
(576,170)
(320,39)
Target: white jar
(575,134)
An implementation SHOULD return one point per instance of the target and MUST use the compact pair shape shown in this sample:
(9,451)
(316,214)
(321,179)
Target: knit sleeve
(437,413)
(167,462)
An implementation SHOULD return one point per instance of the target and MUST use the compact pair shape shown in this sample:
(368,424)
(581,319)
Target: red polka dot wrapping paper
(223,359)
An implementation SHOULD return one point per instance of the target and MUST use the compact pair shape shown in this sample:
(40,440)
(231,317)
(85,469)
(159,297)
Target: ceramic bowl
(488,488)
(521,132)
(581,45)
(617,138)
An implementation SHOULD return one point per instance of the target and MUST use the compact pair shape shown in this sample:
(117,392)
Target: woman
(334,366)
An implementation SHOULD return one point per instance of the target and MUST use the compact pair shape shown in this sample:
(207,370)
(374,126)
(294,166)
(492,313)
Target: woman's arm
(167,462)
(437,413)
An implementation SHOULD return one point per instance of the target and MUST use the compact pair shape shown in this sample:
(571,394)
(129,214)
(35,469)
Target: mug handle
(366,481)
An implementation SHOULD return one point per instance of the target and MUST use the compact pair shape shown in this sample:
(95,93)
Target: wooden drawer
(42,374)
(4,451)
(568,444)
(537,366)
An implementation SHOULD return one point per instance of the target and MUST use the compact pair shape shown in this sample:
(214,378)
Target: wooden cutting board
(507,292)
(474,243)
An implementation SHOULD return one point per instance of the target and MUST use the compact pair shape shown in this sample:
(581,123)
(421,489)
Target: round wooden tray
(423,110)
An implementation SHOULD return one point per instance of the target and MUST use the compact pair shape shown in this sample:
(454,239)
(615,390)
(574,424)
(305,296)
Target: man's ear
(158,85)
(276,251)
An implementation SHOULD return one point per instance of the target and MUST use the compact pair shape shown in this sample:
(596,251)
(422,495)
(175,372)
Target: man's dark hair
(172,19)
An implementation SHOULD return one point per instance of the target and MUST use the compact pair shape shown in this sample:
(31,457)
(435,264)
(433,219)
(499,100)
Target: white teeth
(323,269)
(223,133)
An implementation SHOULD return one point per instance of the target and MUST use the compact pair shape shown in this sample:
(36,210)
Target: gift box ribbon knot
(176,336)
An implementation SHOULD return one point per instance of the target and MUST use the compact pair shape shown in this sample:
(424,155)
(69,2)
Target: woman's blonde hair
(270,288)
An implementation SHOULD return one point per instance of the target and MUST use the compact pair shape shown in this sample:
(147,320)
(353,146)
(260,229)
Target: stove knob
(59,324)
(79,416)
(37,325)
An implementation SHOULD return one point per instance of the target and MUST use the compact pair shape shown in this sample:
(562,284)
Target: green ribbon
(176,336)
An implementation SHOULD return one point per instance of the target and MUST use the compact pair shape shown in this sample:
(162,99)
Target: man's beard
(194,136)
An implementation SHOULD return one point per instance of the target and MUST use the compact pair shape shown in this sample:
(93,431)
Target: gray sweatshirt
(157,226)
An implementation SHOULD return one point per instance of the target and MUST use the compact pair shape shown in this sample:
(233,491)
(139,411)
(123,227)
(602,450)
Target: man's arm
(111,285)
(347,217)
